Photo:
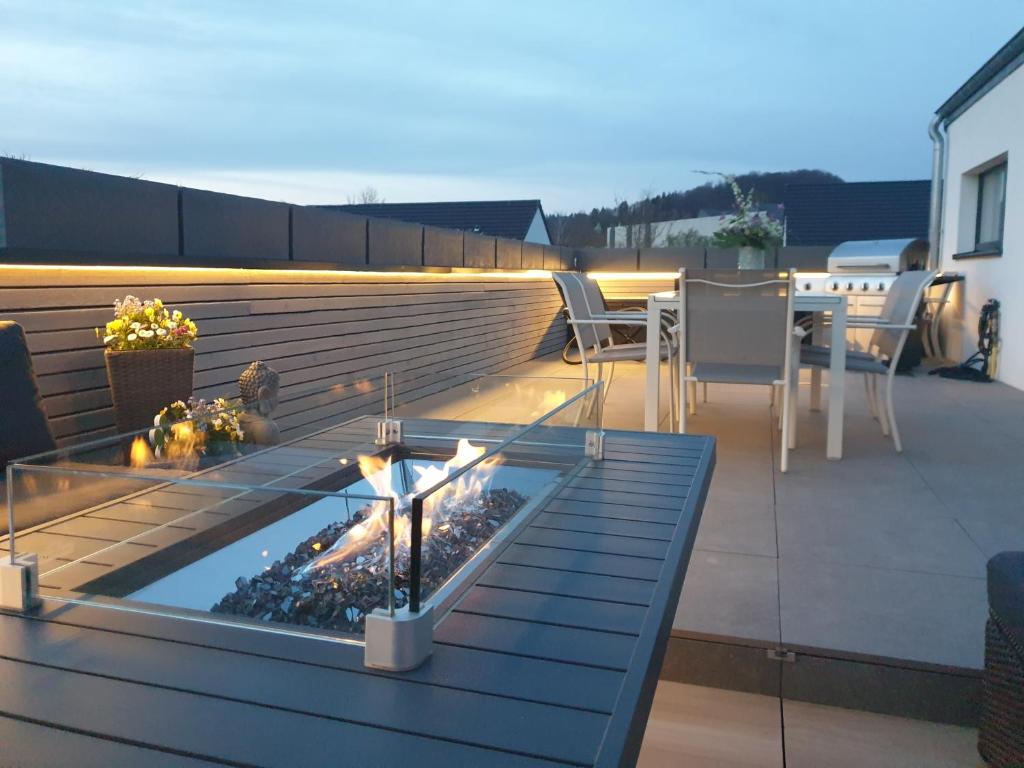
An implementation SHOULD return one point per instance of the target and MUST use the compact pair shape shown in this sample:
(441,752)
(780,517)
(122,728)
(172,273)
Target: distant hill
(714,197)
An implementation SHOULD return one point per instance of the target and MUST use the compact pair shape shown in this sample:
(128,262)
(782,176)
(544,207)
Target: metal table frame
(817,303)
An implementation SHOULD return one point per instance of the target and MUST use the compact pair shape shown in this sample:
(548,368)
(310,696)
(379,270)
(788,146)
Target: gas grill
(864,271)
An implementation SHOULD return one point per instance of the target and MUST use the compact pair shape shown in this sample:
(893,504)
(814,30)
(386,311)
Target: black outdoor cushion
(1006,593)
(23,426)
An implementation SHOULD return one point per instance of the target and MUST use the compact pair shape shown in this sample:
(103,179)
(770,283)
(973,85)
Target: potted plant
(196,433)
(747,228)
(149,359)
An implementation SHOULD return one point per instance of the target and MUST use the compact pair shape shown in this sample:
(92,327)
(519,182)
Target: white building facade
(982,209)
(659,234)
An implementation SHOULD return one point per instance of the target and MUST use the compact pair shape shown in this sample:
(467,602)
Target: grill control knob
(864,287)
(835,286)
(807,286)
(849,286)
(881,286)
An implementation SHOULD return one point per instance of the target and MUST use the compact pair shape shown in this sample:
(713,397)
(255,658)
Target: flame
(378,473)
(140,456)
(185,446)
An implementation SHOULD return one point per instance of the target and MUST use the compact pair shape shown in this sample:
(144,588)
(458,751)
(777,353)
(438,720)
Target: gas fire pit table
(387,589)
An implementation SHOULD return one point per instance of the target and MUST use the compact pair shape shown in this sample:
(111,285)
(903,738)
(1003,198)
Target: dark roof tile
(829,214)
(498,218)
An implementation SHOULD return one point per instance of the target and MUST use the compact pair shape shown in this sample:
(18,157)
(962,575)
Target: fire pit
(309,588)
(331,579)
(360,528)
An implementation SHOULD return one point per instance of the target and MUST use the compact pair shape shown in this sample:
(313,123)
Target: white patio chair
(891,329)
(737,328)
(594,335)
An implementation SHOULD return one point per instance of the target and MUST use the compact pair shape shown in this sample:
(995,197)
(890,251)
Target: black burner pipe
(415,546)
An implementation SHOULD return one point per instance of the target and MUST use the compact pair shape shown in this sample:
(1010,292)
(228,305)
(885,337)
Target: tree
(710,199)
(689,238)
(366,196)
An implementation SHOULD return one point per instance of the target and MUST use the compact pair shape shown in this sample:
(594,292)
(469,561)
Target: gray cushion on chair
(622,352)
(820,350)
(853,363)
(23,426)
(736,373)
(1006,592)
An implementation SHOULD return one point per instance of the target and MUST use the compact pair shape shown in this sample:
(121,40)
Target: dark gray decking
(551,657)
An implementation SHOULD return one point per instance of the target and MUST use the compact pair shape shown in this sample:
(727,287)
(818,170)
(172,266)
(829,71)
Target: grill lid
(878,256)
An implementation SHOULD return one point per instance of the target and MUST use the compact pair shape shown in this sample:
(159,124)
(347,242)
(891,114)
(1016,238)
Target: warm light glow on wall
(633,275)
(528,274)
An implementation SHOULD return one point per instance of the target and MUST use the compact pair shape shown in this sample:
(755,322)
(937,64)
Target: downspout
(935,213)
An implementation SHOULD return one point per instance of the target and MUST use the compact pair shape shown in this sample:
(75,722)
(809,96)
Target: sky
(580,104)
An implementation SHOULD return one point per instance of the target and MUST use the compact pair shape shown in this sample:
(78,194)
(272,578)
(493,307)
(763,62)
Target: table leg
(837,383)
(817,329)
(652,393)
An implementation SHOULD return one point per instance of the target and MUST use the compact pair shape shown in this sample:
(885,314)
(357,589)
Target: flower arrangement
(196,427)
(146,324)
(746,227)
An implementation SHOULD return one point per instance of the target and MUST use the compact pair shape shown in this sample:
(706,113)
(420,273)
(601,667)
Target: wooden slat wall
(310,326)
(632,289)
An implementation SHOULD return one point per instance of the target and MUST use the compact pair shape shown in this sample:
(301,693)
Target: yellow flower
(157,303)
(176,315)
(150,312)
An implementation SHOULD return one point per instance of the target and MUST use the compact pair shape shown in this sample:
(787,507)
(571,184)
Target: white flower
(161,332)
(136,325)
(146,334)
(108,339)
(132,337)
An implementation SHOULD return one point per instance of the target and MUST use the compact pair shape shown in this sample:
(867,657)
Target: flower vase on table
(750,230)
(751,258)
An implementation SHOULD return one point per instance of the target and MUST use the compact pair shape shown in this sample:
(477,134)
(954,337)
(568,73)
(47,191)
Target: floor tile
(737,521)
(829,737)
(995,537)
(730,595)
(710,728)
(899,614)
(879,538)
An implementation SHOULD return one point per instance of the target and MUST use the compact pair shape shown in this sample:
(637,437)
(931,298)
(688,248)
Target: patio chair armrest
(882,326)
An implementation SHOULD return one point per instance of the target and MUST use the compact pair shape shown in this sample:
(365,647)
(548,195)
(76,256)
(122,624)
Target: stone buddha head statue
(258,385)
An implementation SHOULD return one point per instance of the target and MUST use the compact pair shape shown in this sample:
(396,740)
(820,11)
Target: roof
(1002,63)
(829,214)
(498,218)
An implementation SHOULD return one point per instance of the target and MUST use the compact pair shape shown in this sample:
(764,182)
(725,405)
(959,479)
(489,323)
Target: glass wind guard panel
(492,398)
(293,536)
(484,495)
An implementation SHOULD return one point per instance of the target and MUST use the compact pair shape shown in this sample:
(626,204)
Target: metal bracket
(400,641)
(778,654)
(19,583)
(594,446)
(389,431)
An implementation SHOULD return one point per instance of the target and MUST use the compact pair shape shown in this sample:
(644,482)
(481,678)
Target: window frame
(990,245)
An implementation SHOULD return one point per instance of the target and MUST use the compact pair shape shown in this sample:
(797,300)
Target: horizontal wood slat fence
(313,328)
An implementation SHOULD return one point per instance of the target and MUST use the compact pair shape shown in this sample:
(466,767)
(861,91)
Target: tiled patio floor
(879,554)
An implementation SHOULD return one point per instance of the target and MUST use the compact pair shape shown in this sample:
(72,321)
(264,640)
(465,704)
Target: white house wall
(537,233)
(702,225)
(993,126)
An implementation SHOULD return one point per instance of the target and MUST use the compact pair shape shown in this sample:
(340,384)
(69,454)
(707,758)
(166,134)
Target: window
(988,231)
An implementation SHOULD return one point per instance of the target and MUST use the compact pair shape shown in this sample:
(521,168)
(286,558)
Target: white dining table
(804,301)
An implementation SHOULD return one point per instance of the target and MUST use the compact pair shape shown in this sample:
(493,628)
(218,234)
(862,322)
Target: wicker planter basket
(144,381)
(1001,733)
